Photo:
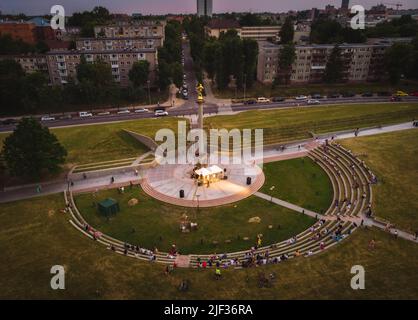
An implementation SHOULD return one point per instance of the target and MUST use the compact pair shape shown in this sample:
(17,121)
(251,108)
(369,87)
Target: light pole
(245,85)
(271,189)
(149,92)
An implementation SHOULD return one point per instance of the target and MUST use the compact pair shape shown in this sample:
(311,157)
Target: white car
(313,101)
(141,110)
(84,114)
(125,111)
(301,98)
(161,113)
(104,113)
(47,118)
(263,100)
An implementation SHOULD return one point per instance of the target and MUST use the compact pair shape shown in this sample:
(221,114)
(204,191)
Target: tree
(287,31)
(399,61)
(139,73)
(31,149)
(250,48)
(209,57)
(334,67)
(287,55)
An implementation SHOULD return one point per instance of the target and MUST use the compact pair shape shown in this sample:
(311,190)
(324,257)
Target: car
(250,101)
(66,117)
(84,114)
(104,113)
(301,97)
(367,94)
(278,99)
(47,118)
(348,94)
(9,121)
(141,110)
(313,101)
(414,94)
(124,111)
(401,94)
(184,76)
(161,113)
(263,100)
(395,99)
(383,93)
(334,95)
(316,96)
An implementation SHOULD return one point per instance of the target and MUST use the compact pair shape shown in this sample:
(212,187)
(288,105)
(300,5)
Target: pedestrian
(218,273)
(395,234)
(372,244)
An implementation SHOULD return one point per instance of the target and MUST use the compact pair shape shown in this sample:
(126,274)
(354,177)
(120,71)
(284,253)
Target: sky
(34,7)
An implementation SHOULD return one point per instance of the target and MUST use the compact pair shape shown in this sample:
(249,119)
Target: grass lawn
(34,236)
(152,223)
(284,125)
(299,181)
(393,158)
(104,142)
(263,90)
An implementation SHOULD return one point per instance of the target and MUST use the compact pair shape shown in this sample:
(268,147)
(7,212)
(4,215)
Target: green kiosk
(108,207)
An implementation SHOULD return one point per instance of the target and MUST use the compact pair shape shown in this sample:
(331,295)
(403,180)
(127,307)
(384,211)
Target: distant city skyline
(173,6)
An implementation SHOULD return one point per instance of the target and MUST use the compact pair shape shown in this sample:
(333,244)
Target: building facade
(204,8)
(20,31)
(29,62)
(119,43)
(361,62)
(62,65)
(142,28)
(261,33)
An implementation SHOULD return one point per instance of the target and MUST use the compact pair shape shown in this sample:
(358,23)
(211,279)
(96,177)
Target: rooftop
(223,24)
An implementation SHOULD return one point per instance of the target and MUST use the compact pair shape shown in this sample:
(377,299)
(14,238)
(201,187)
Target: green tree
(399,60)
(31,149)
(287,56)
(210,51)
(334,67)
(287,31)
(250,48)
(139,73)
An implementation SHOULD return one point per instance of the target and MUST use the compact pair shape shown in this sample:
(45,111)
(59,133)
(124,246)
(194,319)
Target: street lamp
(149,92)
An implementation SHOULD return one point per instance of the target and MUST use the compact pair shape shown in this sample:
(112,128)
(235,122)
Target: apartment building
(30,62)
(62,66)
(362,62)
(96,44)
(142,28)
(261,33)
(19,30)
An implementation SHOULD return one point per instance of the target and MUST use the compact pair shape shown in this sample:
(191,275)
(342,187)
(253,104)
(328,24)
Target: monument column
(200,102)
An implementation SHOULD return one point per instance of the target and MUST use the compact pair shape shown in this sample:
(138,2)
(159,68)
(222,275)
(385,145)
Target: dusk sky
(34,7)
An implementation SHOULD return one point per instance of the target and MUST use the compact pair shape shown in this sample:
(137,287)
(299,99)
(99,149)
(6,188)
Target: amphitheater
(352,195)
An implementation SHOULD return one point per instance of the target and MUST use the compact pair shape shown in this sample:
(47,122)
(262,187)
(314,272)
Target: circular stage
(165,183)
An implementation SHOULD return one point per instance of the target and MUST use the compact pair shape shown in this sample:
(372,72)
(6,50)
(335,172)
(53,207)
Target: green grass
(264,90)
(151,219)
(284,125)
(299,181)
(32,239)
(393,158)
(104,142)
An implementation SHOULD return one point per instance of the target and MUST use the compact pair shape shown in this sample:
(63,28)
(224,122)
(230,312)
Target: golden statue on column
(200,102)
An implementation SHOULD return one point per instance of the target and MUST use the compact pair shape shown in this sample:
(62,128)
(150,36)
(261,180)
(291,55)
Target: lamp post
(149,92)
(271,189)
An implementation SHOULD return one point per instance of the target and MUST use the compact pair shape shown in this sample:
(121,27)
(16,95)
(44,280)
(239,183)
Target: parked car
(401,94)
(161,113)
(367,94)
(263,100)
(141,110)
(9,121)
(395,99)
(84,114)
(414,94)
(334,95)
(124,111)
(250,101)
(348,94)
(301,97)
(313,101)
(278,99)
(47,118)
(316,96)
(66,117)
(104,113)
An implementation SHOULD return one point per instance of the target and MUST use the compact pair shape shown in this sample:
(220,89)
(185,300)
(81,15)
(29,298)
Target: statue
(199,90)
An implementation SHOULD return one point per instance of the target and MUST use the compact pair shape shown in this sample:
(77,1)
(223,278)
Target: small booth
(210,174)
(108,207)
